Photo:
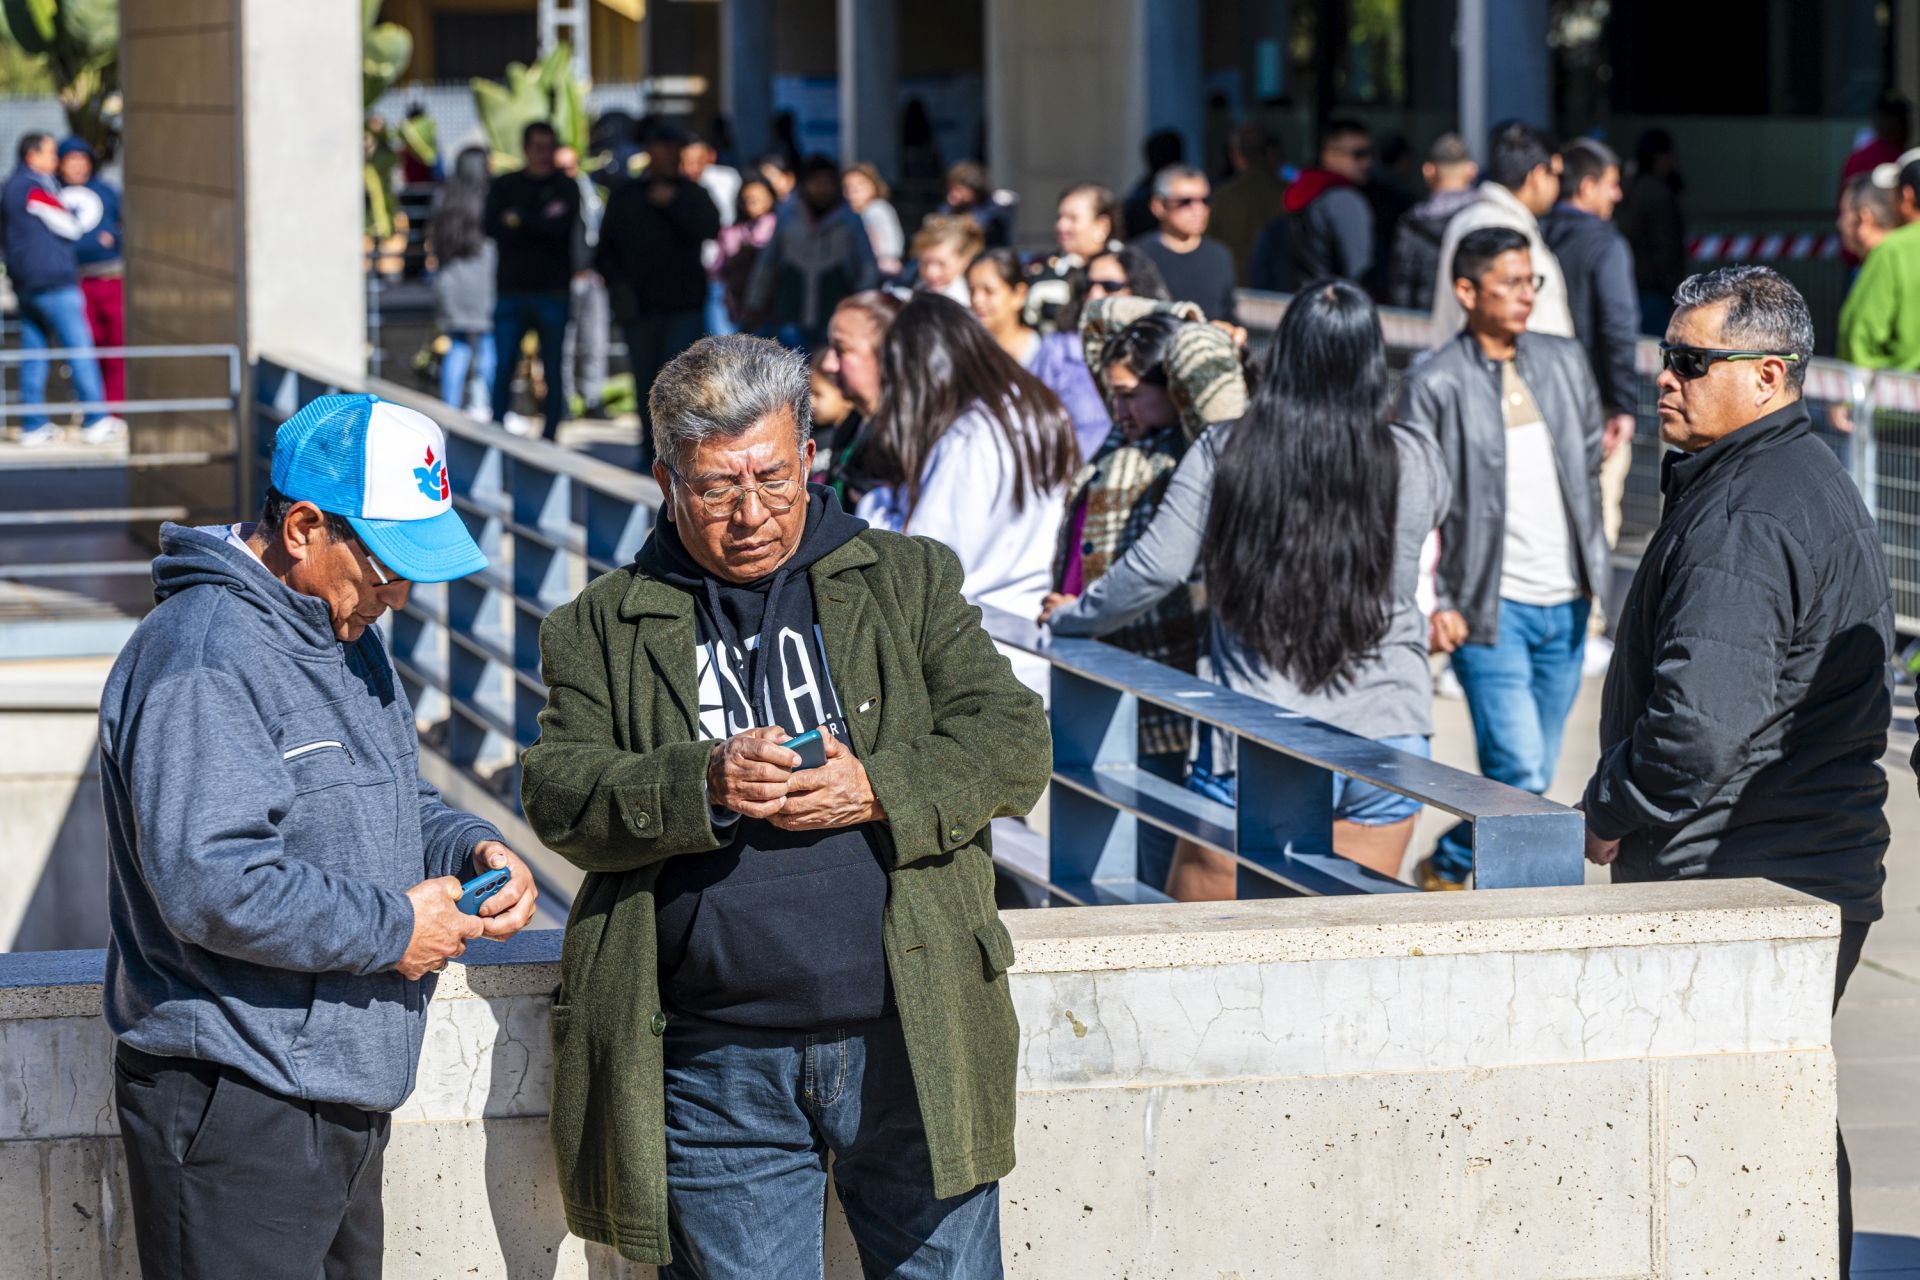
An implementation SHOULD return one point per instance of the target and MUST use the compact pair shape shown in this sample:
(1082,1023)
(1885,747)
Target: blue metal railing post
(1283,807)
(1094,726)
(1529,850)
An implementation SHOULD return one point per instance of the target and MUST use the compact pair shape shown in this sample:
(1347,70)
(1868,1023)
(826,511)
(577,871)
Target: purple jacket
(1058,363)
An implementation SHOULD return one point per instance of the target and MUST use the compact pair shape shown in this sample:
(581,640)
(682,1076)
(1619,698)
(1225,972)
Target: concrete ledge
(1586,1083)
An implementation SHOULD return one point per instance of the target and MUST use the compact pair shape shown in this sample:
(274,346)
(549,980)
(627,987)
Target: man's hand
(748,773)
(837,794)
(1601,852)
(1053,604)
(1618,431)
(511,909)
(1447,631)
(440,931)
(1840,417)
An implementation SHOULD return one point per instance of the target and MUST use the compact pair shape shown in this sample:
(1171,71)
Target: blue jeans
(469,358)
(717,321)
(545,314)
(1361,803)
(56,318)
(1519,690)
(751,1116)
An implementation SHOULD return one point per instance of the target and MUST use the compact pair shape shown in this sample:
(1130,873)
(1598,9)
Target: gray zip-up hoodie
(265,817)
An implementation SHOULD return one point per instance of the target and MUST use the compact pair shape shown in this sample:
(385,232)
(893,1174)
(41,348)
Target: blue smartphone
(475,892)
(812,748)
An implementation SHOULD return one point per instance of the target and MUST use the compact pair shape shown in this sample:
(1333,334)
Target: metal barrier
(548,517)
(91,512)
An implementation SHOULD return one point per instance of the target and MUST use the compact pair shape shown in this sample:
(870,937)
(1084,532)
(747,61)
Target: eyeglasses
(1181,202)
(380,577)
(1106,286)
(779,495)
(1688,363)
(1519,284)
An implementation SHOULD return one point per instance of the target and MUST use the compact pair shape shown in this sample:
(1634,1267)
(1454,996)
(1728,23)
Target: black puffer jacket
(1747,708)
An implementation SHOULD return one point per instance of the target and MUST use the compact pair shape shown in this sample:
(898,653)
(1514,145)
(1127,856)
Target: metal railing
(549,517)
(89,511)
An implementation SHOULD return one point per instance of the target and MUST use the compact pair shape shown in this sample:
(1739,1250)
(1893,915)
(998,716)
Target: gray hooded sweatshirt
(265,817)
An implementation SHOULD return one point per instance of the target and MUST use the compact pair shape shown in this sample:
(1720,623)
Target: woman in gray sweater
(1307,516)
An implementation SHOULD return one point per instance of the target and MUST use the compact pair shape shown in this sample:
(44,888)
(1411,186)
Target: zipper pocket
(307,749)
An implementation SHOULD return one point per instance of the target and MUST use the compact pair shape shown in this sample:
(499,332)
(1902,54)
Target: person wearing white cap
(282,886)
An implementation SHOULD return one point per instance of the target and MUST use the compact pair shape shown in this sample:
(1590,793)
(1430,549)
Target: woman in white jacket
(973,450)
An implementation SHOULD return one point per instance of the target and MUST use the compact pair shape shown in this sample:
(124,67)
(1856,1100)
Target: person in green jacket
(1880,321)
(769,963)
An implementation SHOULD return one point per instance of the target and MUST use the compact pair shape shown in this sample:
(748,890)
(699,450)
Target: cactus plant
(548,90)
(80,43)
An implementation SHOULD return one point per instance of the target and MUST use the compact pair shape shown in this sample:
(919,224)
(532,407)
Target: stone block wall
(1583,1082)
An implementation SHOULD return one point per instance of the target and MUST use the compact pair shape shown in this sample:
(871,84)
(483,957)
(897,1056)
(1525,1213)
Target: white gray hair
(1163,180)
(1766,313)
(721,387)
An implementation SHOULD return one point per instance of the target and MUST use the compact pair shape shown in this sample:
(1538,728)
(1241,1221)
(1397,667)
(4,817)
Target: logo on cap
(432,478)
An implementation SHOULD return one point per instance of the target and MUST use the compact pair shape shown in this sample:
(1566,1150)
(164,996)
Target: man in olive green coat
(770,959)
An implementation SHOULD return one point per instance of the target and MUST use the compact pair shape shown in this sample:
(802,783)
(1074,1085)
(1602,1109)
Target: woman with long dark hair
(972,450)
(463,280)
(1308,516)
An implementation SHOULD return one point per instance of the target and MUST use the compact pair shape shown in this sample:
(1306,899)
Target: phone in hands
(475,892)
(811,747)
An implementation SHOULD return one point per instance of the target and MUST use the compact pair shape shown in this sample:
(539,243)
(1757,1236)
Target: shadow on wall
(67,908)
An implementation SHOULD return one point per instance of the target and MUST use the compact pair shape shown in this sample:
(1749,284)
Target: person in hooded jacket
(819,254)
(748,927)
(1450,173)
(1326,228)
(281,884)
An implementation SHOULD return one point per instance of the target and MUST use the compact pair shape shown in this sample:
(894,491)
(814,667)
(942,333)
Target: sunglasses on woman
(1688,363)
(1097,285)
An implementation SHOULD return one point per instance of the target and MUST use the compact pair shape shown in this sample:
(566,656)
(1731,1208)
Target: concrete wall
(1589,1082)
(243,207)
(52,830)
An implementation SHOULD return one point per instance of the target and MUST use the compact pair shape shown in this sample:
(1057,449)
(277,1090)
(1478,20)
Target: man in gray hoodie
(281,884)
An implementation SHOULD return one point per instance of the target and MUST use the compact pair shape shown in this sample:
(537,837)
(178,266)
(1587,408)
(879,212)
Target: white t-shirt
(1536,554)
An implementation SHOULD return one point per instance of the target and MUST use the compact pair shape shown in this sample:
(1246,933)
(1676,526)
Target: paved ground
(1877,1031)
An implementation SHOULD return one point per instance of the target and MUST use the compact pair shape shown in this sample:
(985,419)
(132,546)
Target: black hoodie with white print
(780,929)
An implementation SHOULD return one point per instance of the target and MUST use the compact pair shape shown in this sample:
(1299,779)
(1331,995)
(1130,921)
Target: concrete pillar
(243,207)
(869,92)
(746,74)
(1169,33)
(1494,84)
(1063,100)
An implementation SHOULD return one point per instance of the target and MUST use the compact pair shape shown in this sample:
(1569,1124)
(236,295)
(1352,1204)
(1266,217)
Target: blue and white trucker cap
(383,467)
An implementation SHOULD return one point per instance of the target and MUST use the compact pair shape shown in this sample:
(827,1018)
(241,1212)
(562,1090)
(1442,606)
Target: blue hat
(70,146)
(384,468)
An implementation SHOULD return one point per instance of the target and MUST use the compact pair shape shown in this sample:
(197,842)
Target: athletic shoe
(107,430)
(520,425)
(1432,881)
(44,434)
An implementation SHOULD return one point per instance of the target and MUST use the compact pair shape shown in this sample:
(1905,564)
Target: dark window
(468,44)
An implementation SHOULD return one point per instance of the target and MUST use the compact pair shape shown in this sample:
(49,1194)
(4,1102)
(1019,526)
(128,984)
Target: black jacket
(649,254)
(1748,703)
(533,221)
(1416,248)
(1598,266)
(1453,393)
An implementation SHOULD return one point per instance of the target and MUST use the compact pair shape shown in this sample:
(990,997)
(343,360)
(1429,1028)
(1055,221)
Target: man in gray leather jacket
(1522,552)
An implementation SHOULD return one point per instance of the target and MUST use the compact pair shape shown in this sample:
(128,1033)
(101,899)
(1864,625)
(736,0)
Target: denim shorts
(1360,803)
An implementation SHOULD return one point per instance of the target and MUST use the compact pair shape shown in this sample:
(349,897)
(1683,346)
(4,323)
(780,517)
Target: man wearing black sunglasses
(1747,708)
(1196,267)
(1326,226)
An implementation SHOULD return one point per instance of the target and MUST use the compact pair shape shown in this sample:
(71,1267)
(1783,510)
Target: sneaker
(1447,685)
(1599,656)
(107,430)
(44,434)
(520,424)
(1431,881)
